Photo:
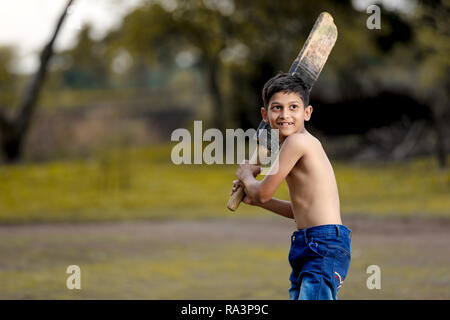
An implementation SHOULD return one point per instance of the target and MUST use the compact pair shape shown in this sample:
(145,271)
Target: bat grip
(237,196)
(235,199)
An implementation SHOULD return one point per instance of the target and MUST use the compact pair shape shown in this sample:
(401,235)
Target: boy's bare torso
(312,187)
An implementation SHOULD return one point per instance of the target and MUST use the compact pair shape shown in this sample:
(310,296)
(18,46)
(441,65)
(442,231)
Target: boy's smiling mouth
(285,124)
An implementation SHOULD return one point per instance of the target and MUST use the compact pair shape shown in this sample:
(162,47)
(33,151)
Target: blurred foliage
(420,59)
(433,35)
(82,67)
(229,49)
(142,183)
(238,45)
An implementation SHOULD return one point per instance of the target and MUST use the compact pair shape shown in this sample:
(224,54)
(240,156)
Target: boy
(320,248)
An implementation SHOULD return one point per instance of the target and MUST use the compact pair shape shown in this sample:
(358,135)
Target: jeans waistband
(324,231)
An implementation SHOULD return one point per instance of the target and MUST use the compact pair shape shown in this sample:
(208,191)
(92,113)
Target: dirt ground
(413,232)
(414,254)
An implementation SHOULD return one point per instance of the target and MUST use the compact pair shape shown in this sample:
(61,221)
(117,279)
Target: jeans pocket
(339,249)
(317,248)
(341,264)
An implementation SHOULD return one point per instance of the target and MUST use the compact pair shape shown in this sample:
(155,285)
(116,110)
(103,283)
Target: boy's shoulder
(301,140)
(299,144)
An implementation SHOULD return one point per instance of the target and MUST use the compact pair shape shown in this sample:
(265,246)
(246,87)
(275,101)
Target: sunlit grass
(414,188)
(144,184)
(157,97)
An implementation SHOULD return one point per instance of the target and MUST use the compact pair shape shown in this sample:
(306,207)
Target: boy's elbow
(264,197)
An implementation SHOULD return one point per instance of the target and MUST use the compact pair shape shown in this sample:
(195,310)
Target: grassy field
(140,227)
(143,184)
(216,259)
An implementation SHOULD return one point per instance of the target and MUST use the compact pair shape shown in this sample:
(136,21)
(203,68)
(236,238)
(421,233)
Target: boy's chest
(298,176)
(309,173)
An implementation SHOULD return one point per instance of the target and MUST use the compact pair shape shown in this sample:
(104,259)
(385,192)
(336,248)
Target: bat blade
(315,51)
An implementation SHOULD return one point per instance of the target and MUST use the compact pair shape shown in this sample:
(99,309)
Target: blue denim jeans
(320,258)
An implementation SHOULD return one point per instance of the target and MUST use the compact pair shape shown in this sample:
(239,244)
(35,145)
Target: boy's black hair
(285,82)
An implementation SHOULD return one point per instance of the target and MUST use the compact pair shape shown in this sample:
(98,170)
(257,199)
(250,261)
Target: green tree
(421,65)
(249,39)
(85,65)
(156,33)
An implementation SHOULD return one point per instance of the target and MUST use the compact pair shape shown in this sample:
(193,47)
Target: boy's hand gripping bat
(307,66)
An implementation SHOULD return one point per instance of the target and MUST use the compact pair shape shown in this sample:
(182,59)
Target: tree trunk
(14,131)
(441,152)
(12,149)
(440,114)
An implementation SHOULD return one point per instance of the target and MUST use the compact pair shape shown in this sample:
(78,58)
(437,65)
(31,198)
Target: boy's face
(286,112)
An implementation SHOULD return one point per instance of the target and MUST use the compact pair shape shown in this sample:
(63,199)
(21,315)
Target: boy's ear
(308,111)
(264,114)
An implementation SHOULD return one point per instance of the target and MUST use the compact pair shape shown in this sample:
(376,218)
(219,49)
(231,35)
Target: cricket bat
(307,65)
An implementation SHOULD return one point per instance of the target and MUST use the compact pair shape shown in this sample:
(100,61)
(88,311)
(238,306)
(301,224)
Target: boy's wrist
(247,178)
(259,204)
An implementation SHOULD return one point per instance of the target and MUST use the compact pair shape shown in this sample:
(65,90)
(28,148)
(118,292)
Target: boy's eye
(276,107)
(294,106)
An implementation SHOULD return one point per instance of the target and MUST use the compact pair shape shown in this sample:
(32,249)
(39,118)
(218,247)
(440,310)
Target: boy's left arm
(262,191)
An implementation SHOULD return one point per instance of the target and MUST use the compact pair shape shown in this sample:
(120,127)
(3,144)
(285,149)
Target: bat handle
(237,197)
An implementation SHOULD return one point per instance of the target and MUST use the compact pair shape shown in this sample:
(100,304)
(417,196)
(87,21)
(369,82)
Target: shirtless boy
(320,247)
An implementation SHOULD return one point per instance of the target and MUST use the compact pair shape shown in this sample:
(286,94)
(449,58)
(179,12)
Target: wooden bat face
(315,52)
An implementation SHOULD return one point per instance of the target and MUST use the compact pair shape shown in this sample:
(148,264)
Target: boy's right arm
(281,207)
